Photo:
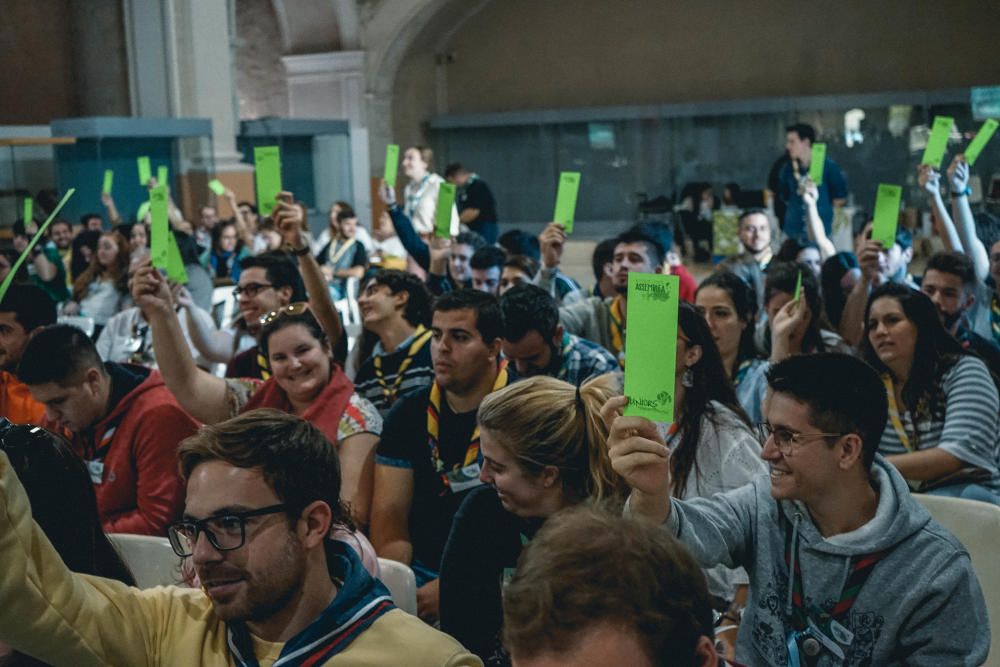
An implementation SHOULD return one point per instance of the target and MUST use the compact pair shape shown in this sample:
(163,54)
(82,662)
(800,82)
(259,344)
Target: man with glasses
(262,499)
(846,568)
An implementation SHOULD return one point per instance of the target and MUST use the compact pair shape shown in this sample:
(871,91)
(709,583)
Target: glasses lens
(182,538)
(226,531)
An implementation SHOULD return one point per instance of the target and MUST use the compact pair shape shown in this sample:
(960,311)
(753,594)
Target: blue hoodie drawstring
(791,565)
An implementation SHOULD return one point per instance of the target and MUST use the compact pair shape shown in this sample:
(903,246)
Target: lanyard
(421,336)
(414,198)
(433,429)
(618,330)
(332,261)
(895,416)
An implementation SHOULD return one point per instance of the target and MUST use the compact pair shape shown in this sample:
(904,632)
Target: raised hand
(288,220)
(386,193)
(150,290)
(638,454)
(958,174)
(552,240)
(928,179)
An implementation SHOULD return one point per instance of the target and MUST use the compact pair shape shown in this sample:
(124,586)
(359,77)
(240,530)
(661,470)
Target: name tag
(464,479)
(96,470)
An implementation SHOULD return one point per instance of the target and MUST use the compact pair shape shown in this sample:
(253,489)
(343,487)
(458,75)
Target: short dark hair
(418,305)
(528,308)
(564,587)
(954,263)
(488,257)
(657,253)
(489,319)
(843,394)
(58,353)
(31,305)
(453,169)
(471,239)
(524,264)
(60,221)
(519,242)
(747,212)
(346,214)
(604,254)
(803,130)
(294,457)
(86,217)
(660,231)
(281,271)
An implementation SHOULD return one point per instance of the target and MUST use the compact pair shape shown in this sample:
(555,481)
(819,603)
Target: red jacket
(688,285)
(141,490)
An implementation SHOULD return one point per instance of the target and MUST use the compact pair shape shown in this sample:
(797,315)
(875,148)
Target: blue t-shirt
(834,187)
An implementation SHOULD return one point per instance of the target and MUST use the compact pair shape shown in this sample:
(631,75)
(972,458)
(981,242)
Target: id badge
(825,640)
(96,470)
(464,478)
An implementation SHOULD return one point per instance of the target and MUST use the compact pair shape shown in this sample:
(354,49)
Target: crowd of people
(475,431)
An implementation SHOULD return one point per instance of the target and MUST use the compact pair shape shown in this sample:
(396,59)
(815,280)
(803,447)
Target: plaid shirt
(582,360)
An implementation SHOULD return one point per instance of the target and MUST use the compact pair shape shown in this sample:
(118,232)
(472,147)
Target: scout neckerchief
(567,347)
(815,626)
(359,602)
(335,257)
(420,338)
(618,330)
(93,455)
(413,198)
(262,366)
(433,429)
(995,318)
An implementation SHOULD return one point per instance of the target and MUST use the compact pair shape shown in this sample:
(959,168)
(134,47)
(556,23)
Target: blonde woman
(542,446)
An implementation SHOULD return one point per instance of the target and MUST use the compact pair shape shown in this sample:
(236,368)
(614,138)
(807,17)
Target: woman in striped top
(944,408)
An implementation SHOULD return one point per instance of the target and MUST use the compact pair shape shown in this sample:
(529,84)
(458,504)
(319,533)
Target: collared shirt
(582,360)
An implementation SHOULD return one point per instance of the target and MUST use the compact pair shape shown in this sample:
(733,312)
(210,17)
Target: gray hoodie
(921,605)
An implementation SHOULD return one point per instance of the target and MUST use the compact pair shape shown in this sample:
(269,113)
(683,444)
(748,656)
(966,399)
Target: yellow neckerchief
(420,338)
(618,330)
(995,317)
(433,412)
(894,415)
(265,372)
(335,257)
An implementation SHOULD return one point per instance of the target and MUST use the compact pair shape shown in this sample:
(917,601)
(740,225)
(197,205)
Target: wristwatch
(297,252)
(964,193)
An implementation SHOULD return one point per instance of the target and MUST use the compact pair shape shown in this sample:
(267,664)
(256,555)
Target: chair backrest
(151,559)
(977,526)
(401,582)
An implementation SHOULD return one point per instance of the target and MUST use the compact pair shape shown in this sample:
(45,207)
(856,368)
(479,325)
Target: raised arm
(958,176)
(814,223)
(109,205)
(200,393)
(930,181)
(414,245)
(242,226)
(288,219)
(213,344)
(852,322)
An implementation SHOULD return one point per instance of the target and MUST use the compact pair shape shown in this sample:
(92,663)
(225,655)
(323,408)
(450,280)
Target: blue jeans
(968,491)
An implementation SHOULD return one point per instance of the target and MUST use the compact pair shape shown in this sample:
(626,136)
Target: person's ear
(314,524)
(558,335)
(705,654)
(852,451)
(970,299)
(285,294)
(400,299)
(494,348)
(693,355)
(93,380)
(549,476)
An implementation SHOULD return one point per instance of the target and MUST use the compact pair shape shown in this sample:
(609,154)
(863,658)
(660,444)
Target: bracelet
(964,193)
(297,252)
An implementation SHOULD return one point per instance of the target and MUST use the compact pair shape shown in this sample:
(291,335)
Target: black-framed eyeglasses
(296,308)
(787,440)
(225,532)
(250,289)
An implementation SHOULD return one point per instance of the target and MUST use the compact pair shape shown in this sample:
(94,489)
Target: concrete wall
(525,54)
(260,77)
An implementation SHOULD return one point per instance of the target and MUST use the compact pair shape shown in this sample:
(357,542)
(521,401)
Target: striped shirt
(418,374)
(967,425)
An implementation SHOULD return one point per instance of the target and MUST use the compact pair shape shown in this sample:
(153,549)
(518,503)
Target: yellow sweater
(79,620)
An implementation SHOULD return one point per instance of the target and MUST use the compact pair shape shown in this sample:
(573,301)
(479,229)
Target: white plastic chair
(401,582)
(223,306)
(977,526)
(85,324)
(151,559)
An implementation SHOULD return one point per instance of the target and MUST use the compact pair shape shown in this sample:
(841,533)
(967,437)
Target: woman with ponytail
(542,444)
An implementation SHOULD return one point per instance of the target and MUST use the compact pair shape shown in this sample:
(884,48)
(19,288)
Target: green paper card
(162,175)
(442,217)
(979,141)
(651,347)
(159,231)
(937,144)
(569,187)
(886,214)
(798,287)
(391,164)
(145,171)
(31,244)
(267,162)
(175,263)
(816,163)
(29,211)
(216,186)
(109,179)
(140,215)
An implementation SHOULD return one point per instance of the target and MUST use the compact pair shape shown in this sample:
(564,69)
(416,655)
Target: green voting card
(109,179)
(937,144)
(267,162)
(175,263)
(32,243)
(569,187)
(979,141)
(216,186)
(651,346)
(391,164)
(162,175)
(145,171)
(143,211)
(159,231)
(29,211)
(886,214)
(798,287)
(442,216)
(816,163)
